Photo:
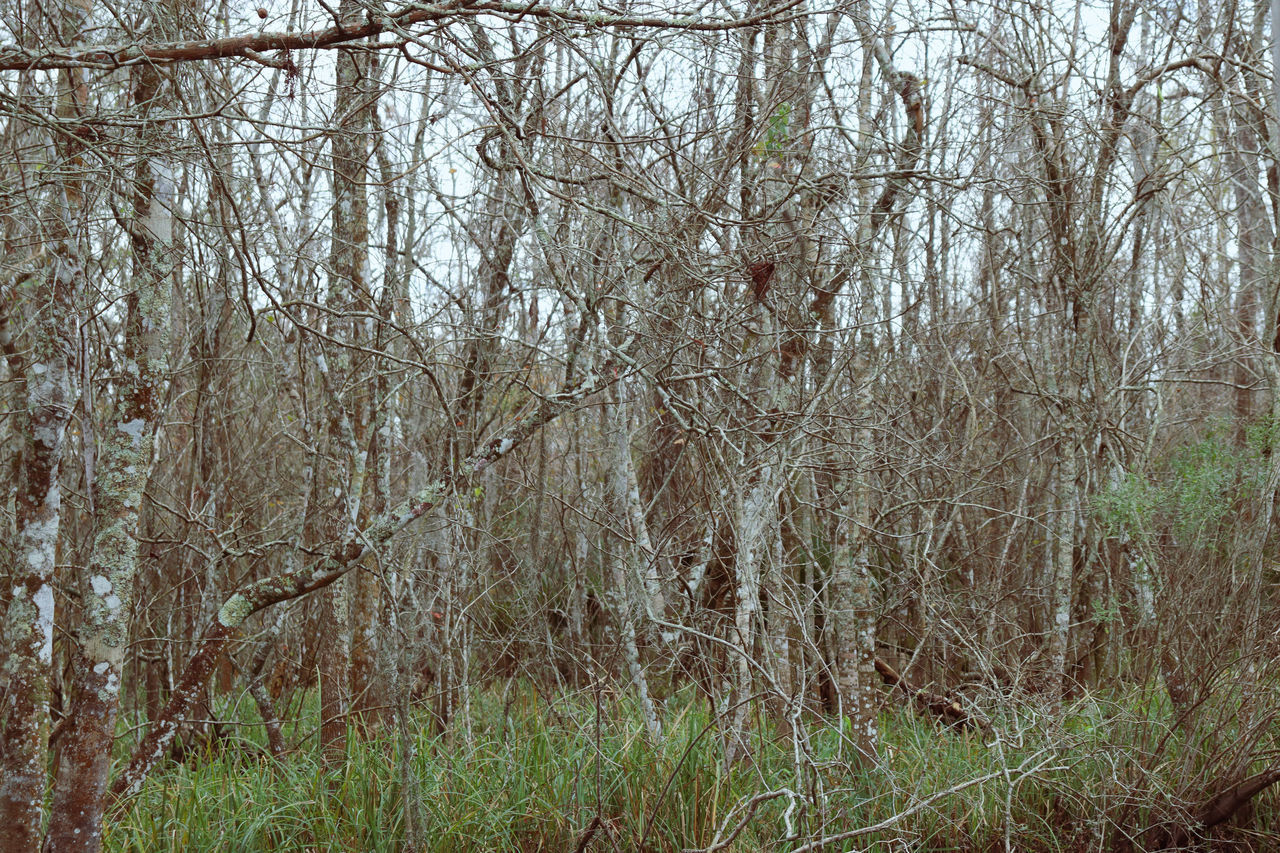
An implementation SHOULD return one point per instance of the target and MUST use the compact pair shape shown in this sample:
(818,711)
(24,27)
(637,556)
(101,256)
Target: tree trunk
(346,653)
(851,614)
(28,621)
(47,373)
(123,470)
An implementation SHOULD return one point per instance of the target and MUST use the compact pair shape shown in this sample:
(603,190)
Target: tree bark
(123,468)
(346,648)
(28,621)
(851,614)
(47,374)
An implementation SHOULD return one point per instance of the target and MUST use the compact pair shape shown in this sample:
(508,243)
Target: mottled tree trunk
(123,467)
(627,554)
(46,370)
(48,376)
(851,614)
(1060,572)
(753,515)
(631,651)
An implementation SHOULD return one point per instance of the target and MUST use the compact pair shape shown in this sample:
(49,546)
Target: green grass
(536,772)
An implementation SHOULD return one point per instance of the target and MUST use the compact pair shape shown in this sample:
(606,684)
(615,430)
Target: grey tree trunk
(123,469)
(48,376)
(45,366)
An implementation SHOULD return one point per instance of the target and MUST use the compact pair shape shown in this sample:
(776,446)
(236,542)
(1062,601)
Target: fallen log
(1217,810)
(930,704)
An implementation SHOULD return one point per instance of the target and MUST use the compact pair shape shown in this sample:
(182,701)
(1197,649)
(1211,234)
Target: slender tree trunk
(627,554)
(123,469)
(752,519)
(1060,579)
(47,374)
(851,614)
(48,377)
(630,648)
(627,493)
(343,632)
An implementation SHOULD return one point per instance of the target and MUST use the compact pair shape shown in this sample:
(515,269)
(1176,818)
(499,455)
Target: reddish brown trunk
(84,758)
(335,656)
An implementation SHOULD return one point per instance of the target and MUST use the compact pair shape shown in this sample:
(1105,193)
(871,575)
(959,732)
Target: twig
(750,806)
(819,843)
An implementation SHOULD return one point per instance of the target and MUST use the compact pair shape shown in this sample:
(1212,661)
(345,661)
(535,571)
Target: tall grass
(537,773)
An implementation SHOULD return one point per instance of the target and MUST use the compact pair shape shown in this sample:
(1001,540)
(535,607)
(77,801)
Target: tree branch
(348,555)
(18,58)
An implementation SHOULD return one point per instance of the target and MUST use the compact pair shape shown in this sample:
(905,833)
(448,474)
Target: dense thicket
(778,361)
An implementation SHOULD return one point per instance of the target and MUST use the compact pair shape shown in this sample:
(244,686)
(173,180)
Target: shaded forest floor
(576,773)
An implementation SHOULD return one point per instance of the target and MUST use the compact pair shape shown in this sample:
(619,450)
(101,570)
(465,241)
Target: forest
(723,425)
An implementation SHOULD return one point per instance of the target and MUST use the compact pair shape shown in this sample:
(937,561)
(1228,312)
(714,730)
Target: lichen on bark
(28,618)
(234,611)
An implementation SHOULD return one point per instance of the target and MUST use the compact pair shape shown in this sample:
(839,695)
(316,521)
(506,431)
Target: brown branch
(1222,806)
(18,58)
(588,833)
(1218,809)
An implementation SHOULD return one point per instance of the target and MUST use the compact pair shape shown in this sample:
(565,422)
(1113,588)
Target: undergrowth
(538,773)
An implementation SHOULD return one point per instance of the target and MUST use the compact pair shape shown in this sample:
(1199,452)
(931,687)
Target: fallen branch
(1217,810)
(948,710)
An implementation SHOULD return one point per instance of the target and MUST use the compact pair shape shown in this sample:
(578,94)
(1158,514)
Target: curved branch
(347,555)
